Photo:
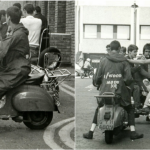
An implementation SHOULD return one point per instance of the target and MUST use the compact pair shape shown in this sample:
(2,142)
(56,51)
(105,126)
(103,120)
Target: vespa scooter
(112,118)
(32,101)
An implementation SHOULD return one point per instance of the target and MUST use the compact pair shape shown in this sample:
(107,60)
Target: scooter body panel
(118,116)
(115,120)
(32,98)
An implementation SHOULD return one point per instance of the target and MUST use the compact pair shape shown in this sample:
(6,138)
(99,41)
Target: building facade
(99,25)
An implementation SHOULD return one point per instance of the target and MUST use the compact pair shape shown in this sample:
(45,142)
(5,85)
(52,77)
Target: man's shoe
(137,111)
(88,135)
(134,135)
(146,110)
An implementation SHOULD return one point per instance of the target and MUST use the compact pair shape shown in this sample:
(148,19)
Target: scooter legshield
(32,98)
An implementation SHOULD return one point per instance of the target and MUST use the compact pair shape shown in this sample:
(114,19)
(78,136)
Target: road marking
(67,86)
(90,89)
(64,134)
(67,91)
(49,133)
(90,86)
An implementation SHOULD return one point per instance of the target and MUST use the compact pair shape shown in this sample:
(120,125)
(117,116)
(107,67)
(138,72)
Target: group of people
(117,71)
(20,33)
(32,20)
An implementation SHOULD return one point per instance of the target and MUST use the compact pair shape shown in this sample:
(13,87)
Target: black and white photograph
(112,74)
(37,75)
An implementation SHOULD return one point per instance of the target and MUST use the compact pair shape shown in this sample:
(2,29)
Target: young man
(135,88)
(114,63)
(37,14)
(108,48)
(34,26)
(123,51)
(14,51)
(19,6)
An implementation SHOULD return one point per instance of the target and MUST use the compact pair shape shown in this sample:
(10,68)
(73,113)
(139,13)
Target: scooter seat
(35,78)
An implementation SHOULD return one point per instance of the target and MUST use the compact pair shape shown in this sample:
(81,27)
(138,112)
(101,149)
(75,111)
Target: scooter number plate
(106,124)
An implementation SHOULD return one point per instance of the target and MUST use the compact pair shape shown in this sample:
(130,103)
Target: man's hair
(14,13)
(108,46)
(146,46)
(132,47)
(123,49)
(3,12)
(18,5)
(38,9)
(115,45)
(29,8)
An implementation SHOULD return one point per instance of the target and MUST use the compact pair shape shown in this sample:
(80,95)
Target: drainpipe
(135,17)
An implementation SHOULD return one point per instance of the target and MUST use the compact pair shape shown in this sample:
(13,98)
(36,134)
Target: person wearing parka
(113,75)
(14,53)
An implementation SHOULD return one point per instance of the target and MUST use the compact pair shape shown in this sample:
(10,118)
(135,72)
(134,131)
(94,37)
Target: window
(102,31)
(107,31)
(90,31)
(123,32)
(145,33)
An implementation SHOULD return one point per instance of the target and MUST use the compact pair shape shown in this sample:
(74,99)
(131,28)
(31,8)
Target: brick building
(61,20)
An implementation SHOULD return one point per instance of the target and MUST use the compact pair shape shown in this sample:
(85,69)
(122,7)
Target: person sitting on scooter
(135,88)
(14,53)
(113,75)
(87,66)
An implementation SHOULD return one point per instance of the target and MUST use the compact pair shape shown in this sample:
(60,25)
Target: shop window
(123,32)
(145,33)
(90,31)
(107,31)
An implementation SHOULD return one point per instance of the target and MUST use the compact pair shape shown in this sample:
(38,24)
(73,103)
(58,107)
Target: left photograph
(37,83)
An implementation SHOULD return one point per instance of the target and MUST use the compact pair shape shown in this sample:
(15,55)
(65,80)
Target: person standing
(45,40)
(37,14)
(34,26)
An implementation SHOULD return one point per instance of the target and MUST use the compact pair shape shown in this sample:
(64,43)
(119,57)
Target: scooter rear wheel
(37,120)
(108,137)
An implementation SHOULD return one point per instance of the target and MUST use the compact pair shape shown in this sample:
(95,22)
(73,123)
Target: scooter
(112,118)
(31,100)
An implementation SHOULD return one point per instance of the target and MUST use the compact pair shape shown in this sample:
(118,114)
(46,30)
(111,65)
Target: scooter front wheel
(108,136)
(37,120)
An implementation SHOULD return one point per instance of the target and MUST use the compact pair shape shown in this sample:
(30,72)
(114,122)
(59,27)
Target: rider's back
(112,74)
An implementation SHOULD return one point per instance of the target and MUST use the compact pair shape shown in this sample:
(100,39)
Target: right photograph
(112,74)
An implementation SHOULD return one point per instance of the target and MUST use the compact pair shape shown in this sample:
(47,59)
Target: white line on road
(66,91)
(90,86)
(64,134)
(49,133)
(68,87)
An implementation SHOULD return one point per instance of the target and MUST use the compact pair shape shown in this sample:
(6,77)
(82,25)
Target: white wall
(103,15)
(144,19)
